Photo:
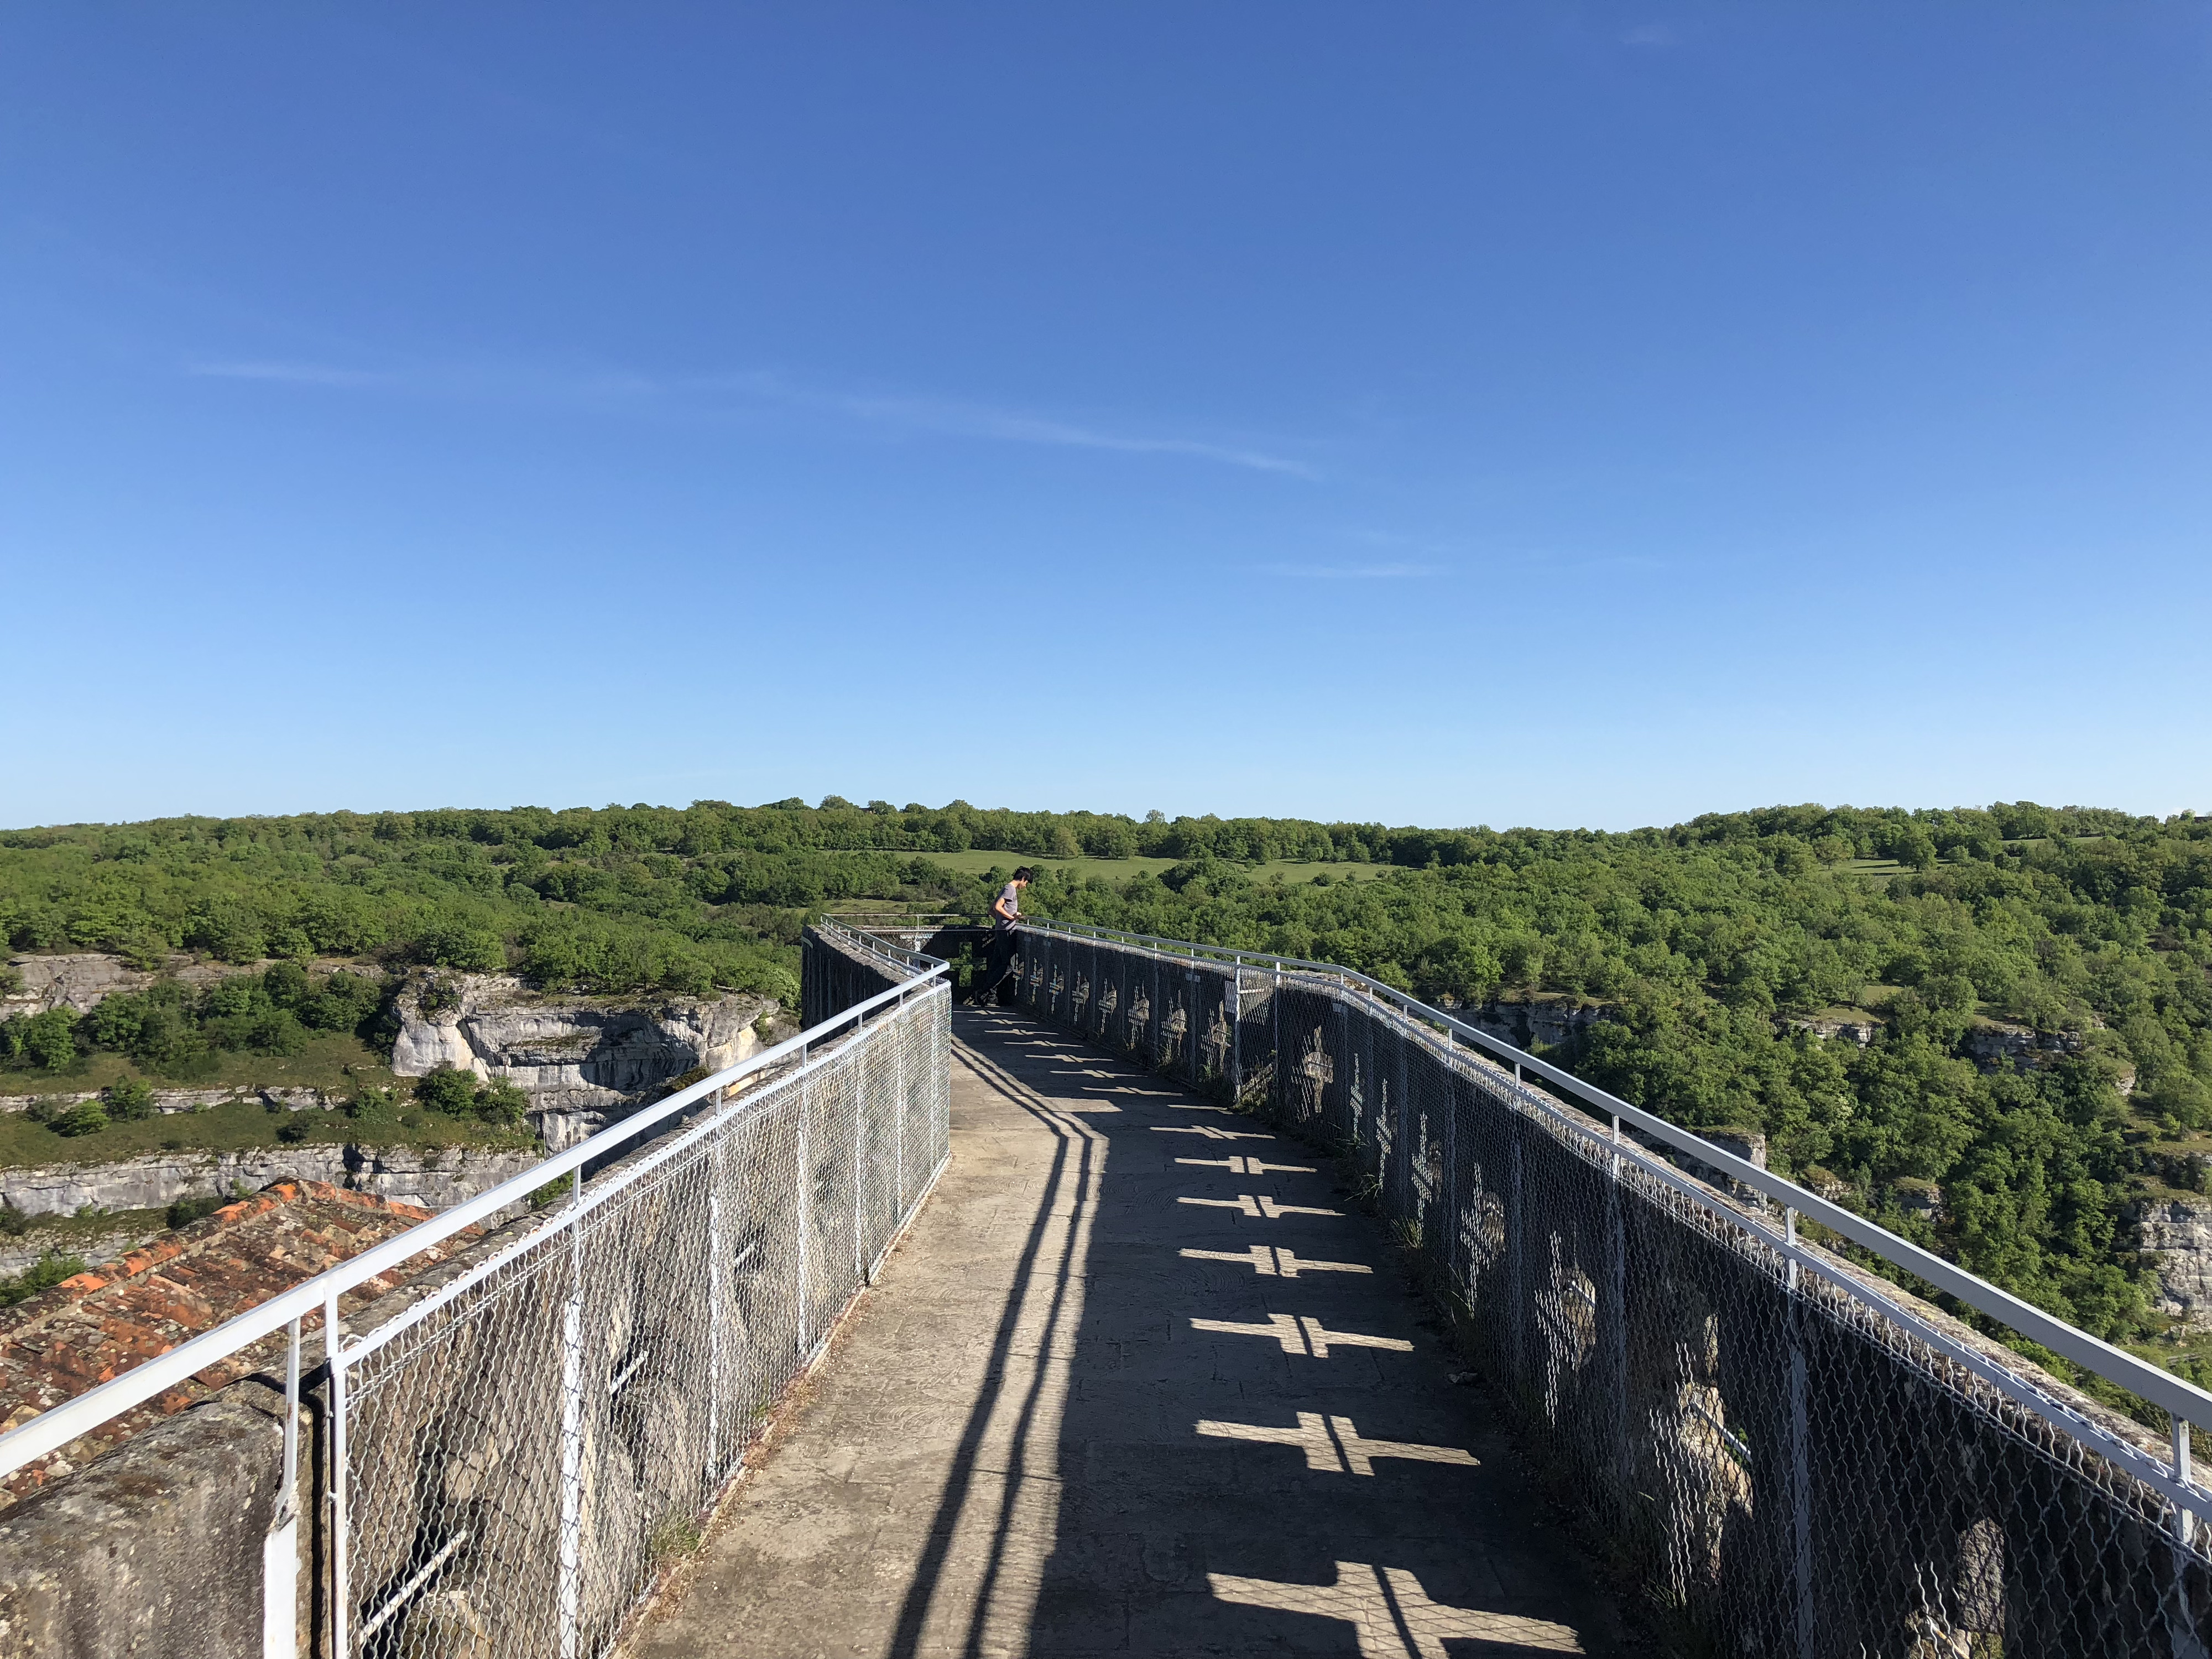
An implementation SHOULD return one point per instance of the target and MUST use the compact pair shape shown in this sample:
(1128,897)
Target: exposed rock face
(80,979)
(1860,1031)
(93,1250)
(169,1101)
(1749,1144)
(76,982)
(2176,1235)
(436,1179)
(1992,1044)
(1548,1023)
(1916,1197)
(584,1062)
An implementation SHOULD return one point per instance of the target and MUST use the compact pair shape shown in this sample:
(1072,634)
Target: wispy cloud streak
(284,374)
(1349,572)
(705,394)
(963,420)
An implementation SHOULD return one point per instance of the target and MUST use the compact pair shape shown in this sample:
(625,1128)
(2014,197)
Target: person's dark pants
(998,962)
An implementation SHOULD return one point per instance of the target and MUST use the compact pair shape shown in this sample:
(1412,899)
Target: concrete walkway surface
(1137,1384)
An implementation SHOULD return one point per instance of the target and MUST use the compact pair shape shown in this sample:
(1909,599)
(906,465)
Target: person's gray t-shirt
(1010,896)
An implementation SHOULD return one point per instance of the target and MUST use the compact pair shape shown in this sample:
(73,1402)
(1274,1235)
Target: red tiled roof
(100,1324)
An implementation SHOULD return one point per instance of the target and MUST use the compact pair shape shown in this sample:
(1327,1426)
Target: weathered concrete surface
(1024,1443)
(153,1554)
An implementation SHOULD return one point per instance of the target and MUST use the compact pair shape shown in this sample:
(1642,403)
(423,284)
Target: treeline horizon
(1916,835)
(1708,945)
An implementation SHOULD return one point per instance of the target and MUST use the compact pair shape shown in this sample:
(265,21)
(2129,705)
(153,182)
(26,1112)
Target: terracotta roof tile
(95,1326)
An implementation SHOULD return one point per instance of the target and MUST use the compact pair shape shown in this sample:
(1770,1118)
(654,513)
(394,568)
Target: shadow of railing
(1211,1419)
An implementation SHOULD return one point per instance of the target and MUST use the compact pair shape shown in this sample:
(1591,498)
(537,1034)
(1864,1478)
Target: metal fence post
(903,1115)
(806,1195)
(1801,1470)
(341,1539)
(572,1434)
(1449,1189)
(1275,1038)
(280,1551)
(1236,1012)
(1190,1023)
(2182,1525)
(859,1072)
(1401,1128)
(1516,1256)
(716,1292)
(1616,1239)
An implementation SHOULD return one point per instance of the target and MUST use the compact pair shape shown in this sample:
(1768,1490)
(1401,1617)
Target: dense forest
(1710,947)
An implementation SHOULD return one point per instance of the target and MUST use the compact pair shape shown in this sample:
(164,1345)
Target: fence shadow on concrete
(1202,1430)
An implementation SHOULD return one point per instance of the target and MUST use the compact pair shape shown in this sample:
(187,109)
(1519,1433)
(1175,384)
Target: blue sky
(1513,414)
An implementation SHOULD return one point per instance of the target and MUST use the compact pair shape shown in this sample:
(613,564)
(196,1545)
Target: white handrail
(62,1424)
(2177,1395)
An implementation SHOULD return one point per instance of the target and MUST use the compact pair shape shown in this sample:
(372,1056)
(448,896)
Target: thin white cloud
(1648,34)
(955,419)
(935,417)
(1349,572)
(286,374)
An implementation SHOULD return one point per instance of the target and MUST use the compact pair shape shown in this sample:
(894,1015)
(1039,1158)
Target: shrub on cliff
(129,1100)
(48,1271)
(87,1117)
(46,1040)
(502,1104)
(443,1089)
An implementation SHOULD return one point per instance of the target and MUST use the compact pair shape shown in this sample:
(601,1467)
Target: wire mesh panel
(523,1447)
(1793,1460)
(839,967)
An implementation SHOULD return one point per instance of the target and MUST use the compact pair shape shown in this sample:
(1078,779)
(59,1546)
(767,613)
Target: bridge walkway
(1139,1383)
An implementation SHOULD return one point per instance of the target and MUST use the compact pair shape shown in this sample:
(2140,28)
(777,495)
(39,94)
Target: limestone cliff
(436,1178)
(79,980)
(2175,1233)
(583,1060)
(1540,1021)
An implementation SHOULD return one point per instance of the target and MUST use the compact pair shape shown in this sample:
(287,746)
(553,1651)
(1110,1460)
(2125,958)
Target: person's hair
(1025,874)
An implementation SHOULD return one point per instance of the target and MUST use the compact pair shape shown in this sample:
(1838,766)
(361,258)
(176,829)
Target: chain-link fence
(839,968)
(521,1450)
(1790,1456)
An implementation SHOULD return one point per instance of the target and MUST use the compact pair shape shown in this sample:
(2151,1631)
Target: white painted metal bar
(400,1597)
(53,1429)
(341,1590)
(2176,1395)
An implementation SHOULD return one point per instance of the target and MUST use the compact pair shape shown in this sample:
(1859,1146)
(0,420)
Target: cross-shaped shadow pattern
(1084,1414)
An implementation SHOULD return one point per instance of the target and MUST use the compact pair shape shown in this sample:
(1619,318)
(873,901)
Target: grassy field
(333,1061)
(982,863)
(241,1125)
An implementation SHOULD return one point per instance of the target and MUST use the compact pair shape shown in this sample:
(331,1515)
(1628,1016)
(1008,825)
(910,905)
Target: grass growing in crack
(674,1534)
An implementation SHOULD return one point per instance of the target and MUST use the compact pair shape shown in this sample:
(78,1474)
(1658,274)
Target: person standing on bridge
(999,954)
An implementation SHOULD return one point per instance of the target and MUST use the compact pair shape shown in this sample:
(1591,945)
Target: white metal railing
(1689,1366)
(793,1061)
(2184,1401)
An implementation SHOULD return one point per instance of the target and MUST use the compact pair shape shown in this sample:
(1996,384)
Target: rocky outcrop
(1546,1022)
(1995,1044)
(583,1060)
(435,1178)
(95,1249)
(79,980)
(171,1101)
(2176,1235)
(1922,1200)
(1852,1027)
